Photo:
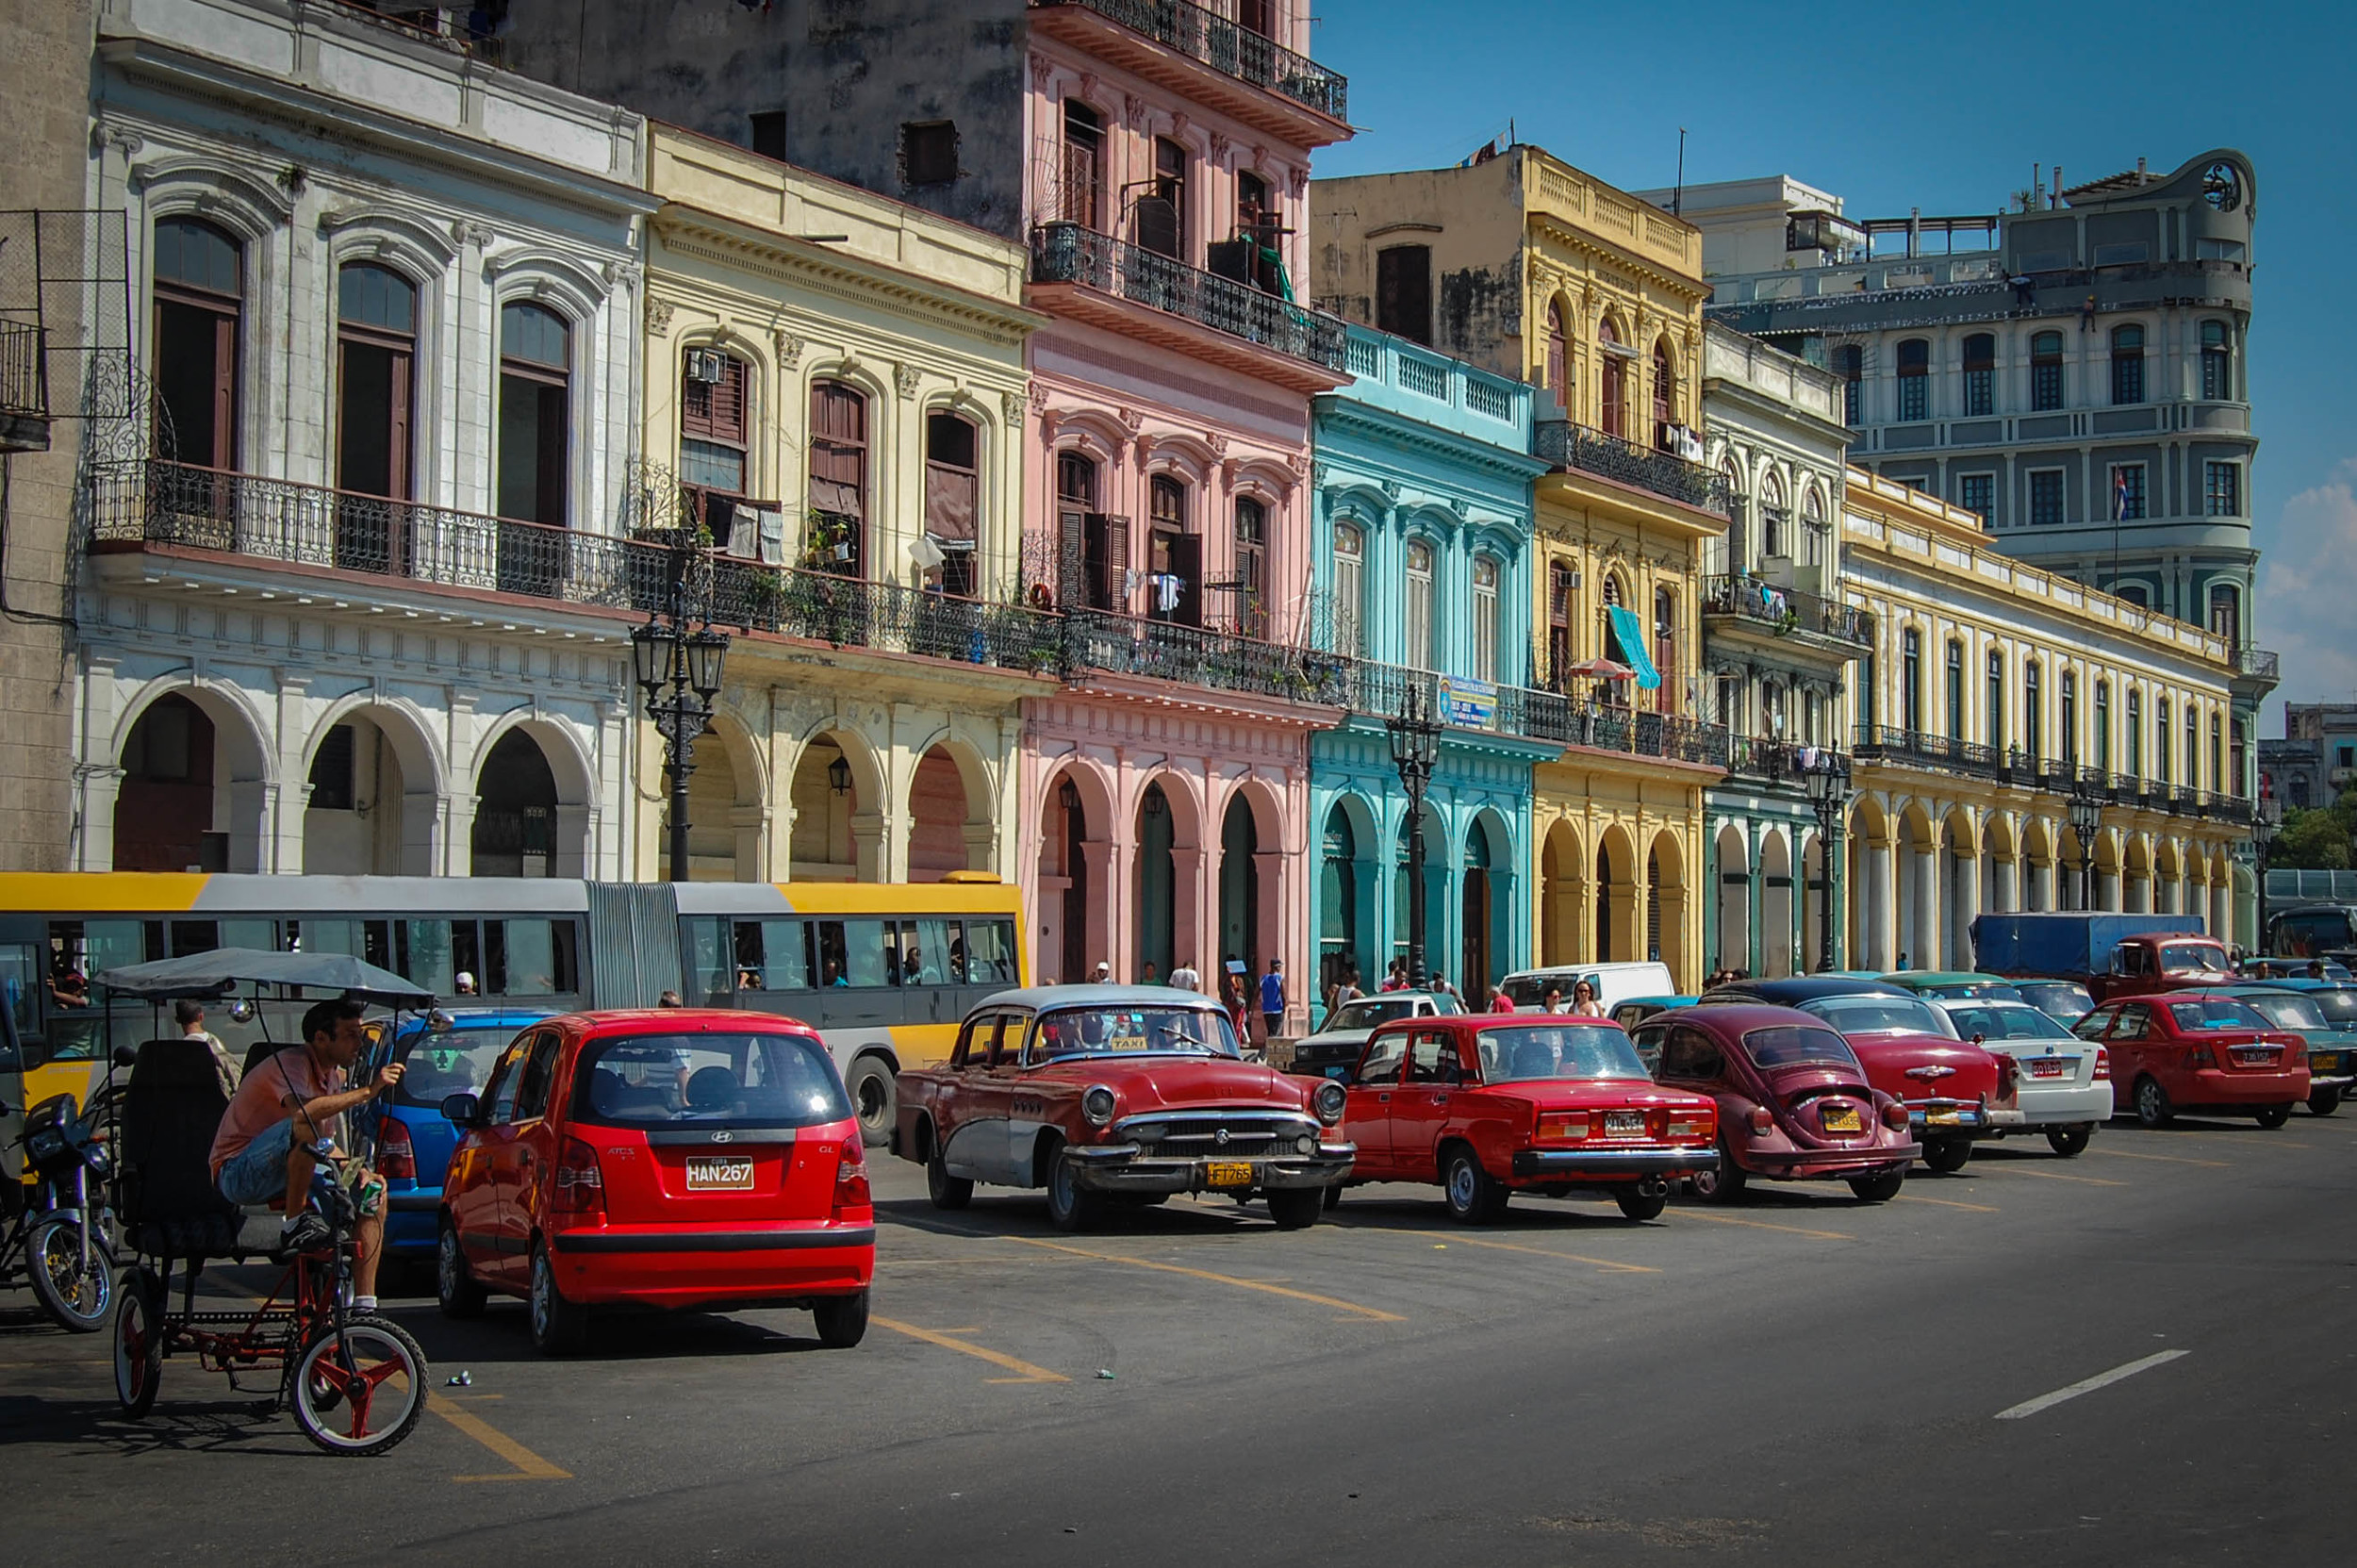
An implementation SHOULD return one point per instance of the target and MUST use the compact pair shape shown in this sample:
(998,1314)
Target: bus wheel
(875,1095)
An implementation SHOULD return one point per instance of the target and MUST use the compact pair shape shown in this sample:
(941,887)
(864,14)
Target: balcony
(1213,318)
(2256,671)
(2048,775)
(1208,58)
(24,388)
(1664,474)
(1788,612)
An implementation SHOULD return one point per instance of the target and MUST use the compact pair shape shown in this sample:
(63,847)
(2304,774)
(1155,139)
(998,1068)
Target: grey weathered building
(2317,758)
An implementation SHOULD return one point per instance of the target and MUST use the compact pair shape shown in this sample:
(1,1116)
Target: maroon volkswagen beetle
(1795,1105)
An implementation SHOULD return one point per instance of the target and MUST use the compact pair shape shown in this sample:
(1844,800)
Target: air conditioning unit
(706,364)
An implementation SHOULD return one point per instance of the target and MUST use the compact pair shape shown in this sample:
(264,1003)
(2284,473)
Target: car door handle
(1383,1099)
(1439,1099)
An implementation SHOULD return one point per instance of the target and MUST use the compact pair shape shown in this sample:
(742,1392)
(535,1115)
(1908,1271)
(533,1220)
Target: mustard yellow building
(1528,267)
(835,394)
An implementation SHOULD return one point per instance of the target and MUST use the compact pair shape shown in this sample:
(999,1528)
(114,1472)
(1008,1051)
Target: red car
(1794,1103)
(1492,1104)
(669,1158)
(2197,1051)
(1117,1094)
(1955,1092)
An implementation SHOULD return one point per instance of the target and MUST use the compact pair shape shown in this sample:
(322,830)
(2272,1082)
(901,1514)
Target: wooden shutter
(1186,564)
(224,449)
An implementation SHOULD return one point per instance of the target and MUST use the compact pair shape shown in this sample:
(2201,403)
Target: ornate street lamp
(2265,821)
(1415,747)
(1829,792)
(2086,821)
(679,669)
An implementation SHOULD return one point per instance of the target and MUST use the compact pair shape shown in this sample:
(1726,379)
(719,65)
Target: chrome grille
(1200,1134)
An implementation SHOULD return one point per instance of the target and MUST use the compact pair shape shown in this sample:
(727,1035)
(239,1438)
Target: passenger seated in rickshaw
(283,1125)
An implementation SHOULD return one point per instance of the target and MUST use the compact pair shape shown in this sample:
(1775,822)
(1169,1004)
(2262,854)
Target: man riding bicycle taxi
(282,1126)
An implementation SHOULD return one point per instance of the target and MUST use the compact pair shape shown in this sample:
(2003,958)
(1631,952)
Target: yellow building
(1532,269)
(1995,693)
(835,390)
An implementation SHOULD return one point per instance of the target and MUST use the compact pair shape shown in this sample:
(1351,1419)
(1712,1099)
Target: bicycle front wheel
(77,1290)
(360,1391)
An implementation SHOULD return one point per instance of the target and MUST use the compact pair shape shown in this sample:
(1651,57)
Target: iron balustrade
(23,376)
(1941,754)
(1073,252)
(1665,473)
(2257,663)
(1787,609)
(1218,42)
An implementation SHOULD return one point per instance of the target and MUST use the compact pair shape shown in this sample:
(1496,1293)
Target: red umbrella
(1600,670)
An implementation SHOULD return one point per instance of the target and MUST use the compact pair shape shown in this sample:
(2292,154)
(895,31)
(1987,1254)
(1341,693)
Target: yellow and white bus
(883,971)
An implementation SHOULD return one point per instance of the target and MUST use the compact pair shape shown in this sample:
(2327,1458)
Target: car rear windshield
(715,1081)
(1366,1015)
(2060,996)
(439,1065)
(1880,1015)
(2214,1013)
(2339,1007)
(2019,1022)
(1788,1045)
(2288,1012)
(1966,990)
(1109,1030)
(1522,1054)
(2192,955)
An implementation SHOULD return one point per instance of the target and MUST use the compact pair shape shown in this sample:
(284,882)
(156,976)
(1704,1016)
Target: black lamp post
(2264,823)
(1415,747)
(679,671)
(2086,821)
(1829,792)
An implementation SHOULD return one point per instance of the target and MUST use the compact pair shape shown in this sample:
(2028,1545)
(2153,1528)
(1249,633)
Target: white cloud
(2306,582)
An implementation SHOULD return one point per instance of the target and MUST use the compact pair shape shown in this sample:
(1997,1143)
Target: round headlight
(1306,1144)
(1328,1099)
(1097,1105)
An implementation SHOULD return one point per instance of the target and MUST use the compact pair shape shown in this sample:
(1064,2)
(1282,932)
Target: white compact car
(2064,1084)
(1333,1050)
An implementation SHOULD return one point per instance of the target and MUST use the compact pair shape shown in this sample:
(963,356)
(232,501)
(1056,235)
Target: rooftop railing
(1227,47)
(1073,252)
(1664,474)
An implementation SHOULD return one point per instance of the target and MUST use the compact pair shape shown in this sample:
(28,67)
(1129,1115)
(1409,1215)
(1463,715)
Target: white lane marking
(2087,1385)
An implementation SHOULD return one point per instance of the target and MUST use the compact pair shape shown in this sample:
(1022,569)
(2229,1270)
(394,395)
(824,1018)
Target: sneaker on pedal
(309,1233)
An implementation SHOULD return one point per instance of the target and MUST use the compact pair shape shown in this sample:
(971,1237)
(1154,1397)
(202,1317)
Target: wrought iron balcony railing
(24,384)
(1073,252)
(2257,663)
(1787,609)
(2048,775)
(1665,473)
(1227,47)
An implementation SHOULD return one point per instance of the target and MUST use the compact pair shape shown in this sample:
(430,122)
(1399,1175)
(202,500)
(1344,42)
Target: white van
(1614,984)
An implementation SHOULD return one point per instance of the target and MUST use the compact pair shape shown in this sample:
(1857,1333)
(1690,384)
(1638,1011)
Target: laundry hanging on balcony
(1631,635)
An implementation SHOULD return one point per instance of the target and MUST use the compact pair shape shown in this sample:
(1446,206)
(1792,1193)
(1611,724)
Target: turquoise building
(1421,568)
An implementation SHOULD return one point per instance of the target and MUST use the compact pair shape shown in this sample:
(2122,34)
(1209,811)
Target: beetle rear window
(1786,1045)
(707,1080)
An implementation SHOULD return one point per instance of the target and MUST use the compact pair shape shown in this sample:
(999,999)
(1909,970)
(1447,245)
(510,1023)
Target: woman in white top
(1584,1003)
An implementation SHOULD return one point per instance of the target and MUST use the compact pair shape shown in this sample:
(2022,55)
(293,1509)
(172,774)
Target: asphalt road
(1797,1378)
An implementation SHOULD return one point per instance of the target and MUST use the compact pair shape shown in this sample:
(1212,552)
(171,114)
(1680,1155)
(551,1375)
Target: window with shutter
(837,536)
(1403,292)
(952,499)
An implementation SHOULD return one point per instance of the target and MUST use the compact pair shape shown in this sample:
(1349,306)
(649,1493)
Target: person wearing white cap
(1104,972)
(465,983)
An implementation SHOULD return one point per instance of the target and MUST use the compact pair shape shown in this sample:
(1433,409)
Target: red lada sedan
(2197,1052)
(673,1158)
(1489,1105)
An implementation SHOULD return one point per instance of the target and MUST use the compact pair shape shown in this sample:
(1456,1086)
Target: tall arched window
(1558,357)
(1251,567)
(1956,689)
(2136,733)
(1776,520)
(2046,371)
(2218,364)
(1418,651)
(837,541)
(2128,363)
(2102,726)
(1915,380)
(1350,589)
(1082,200)
(1911,681)
(2226,613)
(1814,533)
(1665,647)
(1612,411)
(2068,718)
(2162,756)
(376,339)
(1485,619)
(1665,389)
(536,413)
(1995,698)
(200,304)
(953,492)
(2191,779)
(1174,552)
(1157,216)
(1980,374)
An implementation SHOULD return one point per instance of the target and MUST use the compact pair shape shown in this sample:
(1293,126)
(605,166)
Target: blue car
(414,1139)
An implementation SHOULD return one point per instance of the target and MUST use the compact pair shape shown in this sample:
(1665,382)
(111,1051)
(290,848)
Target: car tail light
(850,1176)
(1694,1125)
(1763,1121)
(2102,1065)
(396,1155)
(1894,1116)
(580,1184)
(1569,1127)
(2200,1057)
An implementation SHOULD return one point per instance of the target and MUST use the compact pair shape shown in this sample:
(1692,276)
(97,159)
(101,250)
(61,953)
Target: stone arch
(1960,889)
(2000,868)
(1732,922)
(1776,910)
(728,805)
(2039,859)
(172,807)
(1348,933)
(1562,890)
(836,832)
(1166,826)
(1077,824)
(1665,894)
(533,794)
(1916,847)
(951,811)
(1618,936)
(1485,913)
(2136,874)
(1814,889)
(2169,889)
(384,814)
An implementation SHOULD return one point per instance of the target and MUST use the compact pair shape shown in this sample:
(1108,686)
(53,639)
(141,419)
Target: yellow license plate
(1941,1118)
(1229,1173)
(2325,1063)
(1841,1118)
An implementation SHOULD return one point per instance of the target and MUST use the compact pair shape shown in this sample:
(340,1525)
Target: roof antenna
(1677,192)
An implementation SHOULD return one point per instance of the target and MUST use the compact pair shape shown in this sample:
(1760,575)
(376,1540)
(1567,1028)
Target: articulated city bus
(884,972)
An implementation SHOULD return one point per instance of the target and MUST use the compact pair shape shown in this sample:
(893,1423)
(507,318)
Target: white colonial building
(356,598)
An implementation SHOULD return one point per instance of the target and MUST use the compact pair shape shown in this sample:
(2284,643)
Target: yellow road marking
(529,1465)
(1025,1372)
(1502,1246)
(1761,1224)
(1369,1312)
(1947,1203)
(2058,1176)
(2163,1159)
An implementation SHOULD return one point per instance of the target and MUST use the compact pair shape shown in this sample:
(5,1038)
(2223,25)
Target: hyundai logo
(724,1136)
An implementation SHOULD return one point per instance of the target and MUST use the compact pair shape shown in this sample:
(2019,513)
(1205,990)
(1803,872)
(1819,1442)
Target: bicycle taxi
(357,1382)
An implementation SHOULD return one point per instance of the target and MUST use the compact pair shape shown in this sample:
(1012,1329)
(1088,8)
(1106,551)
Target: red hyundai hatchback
(673,1158)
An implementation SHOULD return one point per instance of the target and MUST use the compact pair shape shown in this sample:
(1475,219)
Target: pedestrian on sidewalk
(1273,1000)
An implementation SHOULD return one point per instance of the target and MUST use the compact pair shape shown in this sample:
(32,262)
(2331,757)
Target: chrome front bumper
(1541,1163)
(1129,1168)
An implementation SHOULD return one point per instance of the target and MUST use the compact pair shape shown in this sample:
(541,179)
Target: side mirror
(126,1056)
(459,1108)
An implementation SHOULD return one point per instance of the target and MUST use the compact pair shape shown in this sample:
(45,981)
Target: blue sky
(1895,106)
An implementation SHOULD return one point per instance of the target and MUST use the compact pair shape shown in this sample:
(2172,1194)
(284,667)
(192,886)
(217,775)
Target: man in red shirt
(285,1121)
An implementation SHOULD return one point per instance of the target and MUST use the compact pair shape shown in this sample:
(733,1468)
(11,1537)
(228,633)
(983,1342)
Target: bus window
(711,958)
(925,951)
(371,941)
(833,967)
(772,955)
(19,975)
(193,936)
(425,957)
(529,958)
(989,952)
(260,935)
(869,953)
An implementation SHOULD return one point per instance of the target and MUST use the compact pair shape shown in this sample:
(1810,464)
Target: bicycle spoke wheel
(359,1392)
(139,1343)
(76,1291)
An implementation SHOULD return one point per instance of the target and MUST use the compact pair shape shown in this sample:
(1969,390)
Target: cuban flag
(2120,494)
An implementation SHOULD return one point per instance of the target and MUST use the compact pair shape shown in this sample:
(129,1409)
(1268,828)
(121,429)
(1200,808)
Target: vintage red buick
(1794,1105)
(1492,1104)
(1112,1093)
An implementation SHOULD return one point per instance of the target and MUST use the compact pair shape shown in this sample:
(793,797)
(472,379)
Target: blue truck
(2113,955)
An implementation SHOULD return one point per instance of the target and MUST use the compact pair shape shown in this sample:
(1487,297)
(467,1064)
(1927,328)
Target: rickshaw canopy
(222,971)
